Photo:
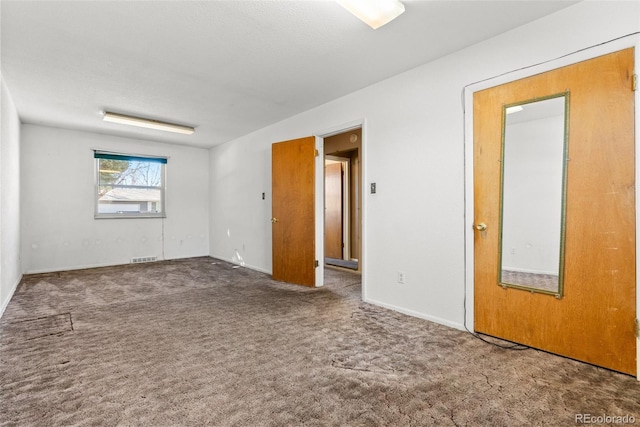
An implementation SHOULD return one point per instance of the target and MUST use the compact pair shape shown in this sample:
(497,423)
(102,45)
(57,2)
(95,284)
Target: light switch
(373,188)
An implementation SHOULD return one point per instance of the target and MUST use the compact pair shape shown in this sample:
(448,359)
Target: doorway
(343,200)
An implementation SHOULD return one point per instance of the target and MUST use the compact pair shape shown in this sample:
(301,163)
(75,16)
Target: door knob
(481,226)
(274,220)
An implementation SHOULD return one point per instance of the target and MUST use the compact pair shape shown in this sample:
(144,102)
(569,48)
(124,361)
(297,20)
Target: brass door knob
(274,220)
(481,226)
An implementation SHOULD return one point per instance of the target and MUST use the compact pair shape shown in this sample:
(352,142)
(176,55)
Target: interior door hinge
(634,83)
(317,263)
(316,153)
(637,329)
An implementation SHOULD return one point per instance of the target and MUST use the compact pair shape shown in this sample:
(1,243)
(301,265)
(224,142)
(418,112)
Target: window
(129,186)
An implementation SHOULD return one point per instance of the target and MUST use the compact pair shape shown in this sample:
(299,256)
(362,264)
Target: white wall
(413,146)
(10,265)
(59,231)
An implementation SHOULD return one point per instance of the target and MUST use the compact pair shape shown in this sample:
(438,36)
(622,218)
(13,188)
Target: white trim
(6,302)
(469,207)
(319,187)
(101,265)
(621,43)
(231,261)
(419,315)
(184,257)
(75,267)
(319,194)
(346,127)
(363,265)
(582,55)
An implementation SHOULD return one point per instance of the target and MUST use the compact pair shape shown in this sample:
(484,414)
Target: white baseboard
(175,258)
(100,265)
(419,315)
(5,303)
(73,267)
(250,267)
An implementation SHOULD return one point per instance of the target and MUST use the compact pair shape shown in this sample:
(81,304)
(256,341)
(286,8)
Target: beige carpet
(197,342)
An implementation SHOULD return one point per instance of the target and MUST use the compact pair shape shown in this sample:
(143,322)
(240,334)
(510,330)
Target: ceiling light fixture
(147,123)
(375,13)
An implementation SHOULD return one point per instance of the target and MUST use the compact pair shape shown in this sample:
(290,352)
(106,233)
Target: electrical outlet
(401,277)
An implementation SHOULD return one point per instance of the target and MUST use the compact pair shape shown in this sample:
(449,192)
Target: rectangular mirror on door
(534,159)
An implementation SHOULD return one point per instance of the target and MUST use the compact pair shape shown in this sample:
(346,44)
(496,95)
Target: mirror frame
(563,208)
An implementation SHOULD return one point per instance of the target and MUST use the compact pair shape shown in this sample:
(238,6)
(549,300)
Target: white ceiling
(226,67)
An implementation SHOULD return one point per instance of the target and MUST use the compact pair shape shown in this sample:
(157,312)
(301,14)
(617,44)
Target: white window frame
(99,154)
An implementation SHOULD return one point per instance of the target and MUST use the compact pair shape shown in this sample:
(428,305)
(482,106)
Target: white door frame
(583,55)
(319,187)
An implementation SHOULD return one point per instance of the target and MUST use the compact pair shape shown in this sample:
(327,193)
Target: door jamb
(632,40)
(319,188)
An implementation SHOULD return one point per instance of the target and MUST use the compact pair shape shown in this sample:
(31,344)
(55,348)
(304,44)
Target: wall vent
(143,259)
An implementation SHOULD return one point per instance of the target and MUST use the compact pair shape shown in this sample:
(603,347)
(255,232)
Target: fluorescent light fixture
(375,13)
(514,109)
(147,123)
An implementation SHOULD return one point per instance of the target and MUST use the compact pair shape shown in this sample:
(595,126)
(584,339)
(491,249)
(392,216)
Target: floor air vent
(143,259)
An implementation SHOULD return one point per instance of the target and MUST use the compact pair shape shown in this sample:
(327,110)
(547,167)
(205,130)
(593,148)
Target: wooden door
(594,320)
(293,211)
(333,213)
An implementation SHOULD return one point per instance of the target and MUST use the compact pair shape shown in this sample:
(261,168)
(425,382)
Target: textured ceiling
(226,67)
